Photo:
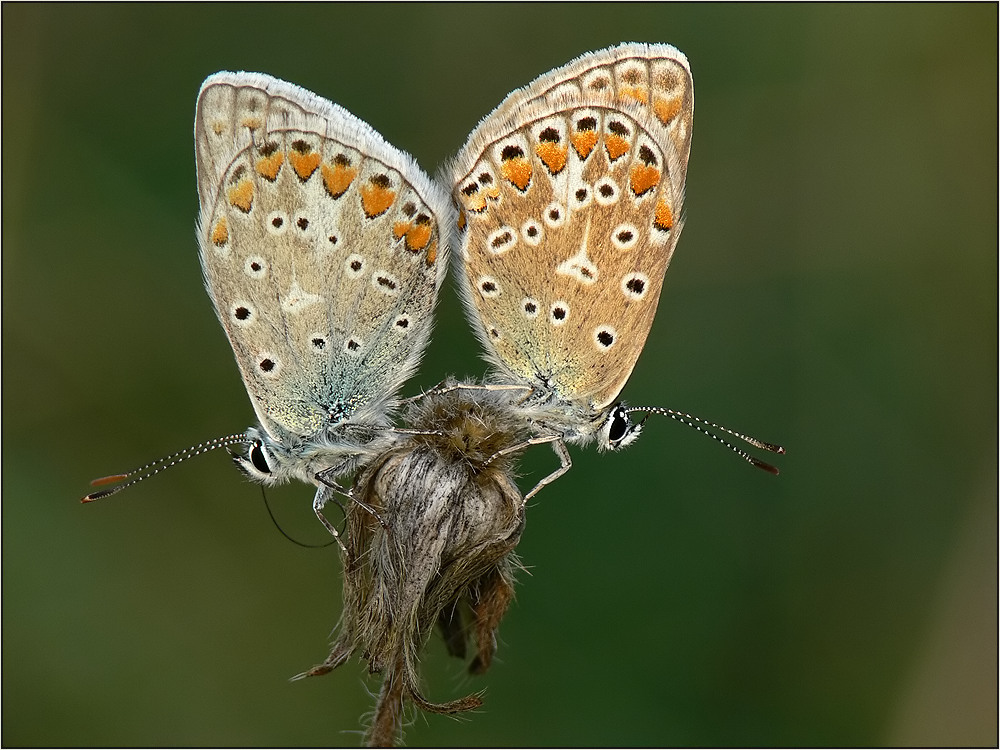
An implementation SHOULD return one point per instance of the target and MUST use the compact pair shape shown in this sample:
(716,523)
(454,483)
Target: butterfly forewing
(321,247)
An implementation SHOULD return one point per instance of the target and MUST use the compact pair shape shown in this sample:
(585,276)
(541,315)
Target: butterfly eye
(258,457)
(619,426)
(618,430)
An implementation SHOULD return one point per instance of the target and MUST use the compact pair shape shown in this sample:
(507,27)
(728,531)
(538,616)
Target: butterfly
(323,249)
(571,196)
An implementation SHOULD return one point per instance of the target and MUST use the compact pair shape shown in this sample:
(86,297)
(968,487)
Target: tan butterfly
(571,195)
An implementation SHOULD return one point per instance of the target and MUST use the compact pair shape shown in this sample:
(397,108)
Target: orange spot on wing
(418,237)
(638,93)
(375,200)
(338,178)
(241,195)
(584,142)
(667,109)
(400,228)
(472,198)
(552,155)
(268,166)
(432,254)
(304,164)
(518,171)
(475,203)
(664,218)
(220,234)
(616,145)
(251,122)
(461,219)
(644,178)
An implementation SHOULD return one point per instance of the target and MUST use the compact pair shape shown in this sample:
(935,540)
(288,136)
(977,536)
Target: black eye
(619,426)
(258,459)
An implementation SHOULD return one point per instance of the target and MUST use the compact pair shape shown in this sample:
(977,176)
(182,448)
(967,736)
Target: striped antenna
(155,467)
(703,426)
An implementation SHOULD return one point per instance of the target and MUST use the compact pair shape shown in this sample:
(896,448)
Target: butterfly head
(618,430)
(261,458)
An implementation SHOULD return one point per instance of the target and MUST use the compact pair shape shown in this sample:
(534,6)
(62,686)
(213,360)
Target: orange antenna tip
(101,481)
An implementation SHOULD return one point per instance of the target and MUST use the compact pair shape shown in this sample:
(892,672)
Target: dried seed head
(452,517)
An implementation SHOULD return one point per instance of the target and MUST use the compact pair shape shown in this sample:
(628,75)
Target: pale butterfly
(570,196)
(323,248)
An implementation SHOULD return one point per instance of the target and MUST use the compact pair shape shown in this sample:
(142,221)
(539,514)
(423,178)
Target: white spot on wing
(488,287)
(354,266)
(268,365)
(298,299)
(605,337)
(532,233)
(502,240)
(635,285)
(579,267)
(606,192)
(255,267)
(554,215)
(624,236)
(558,313)
(242,314)
(385,282)
(276,223)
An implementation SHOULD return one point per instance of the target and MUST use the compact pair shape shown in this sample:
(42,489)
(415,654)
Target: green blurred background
(835,290)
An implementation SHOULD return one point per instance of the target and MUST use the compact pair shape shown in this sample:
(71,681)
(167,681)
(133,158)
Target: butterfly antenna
(155,467)
(702,425)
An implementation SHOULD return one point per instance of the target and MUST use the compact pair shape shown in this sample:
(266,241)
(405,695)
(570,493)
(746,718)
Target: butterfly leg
(441,388)
(481,387)
(324,494)
(408,431)
(328,478)
(565,462)
(412,399)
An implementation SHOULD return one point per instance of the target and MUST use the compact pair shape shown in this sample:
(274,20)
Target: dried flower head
(431,543)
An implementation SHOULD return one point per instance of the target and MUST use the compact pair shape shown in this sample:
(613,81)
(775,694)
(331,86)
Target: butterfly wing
(322,250)
(570,195)
(655,76)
